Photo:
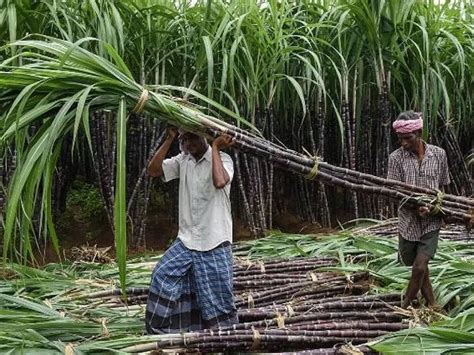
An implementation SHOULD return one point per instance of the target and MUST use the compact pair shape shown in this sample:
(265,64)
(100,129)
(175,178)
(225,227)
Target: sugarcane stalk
(294,163)
(247,213)
(376,316)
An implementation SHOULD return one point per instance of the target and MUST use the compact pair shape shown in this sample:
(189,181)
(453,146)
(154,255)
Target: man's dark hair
(408,115)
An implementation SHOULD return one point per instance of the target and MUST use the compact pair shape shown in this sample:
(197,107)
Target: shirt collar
(428,151)
(207,155)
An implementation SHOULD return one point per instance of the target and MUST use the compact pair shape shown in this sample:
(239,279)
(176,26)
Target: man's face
(409,141)
(192,143)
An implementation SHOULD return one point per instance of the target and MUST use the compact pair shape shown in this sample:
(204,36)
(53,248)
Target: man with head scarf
(192,285)
(420,164)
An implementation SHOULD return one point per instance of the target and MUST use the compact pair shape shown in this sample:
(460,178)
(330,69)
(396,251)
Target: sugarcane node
(142,100)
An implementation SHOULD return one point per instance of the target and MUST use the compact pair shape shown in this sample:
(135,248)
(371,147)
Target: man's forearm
(155,168)
(220,178)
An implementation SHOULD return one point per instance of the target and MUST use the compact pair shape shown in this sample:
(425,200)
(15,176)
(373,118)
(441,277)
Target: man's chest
(425,172)
(197,179)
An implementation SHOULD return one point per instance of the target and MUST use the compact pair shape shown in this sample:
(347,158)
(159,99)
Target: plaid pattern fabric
(191,290)
(432,173)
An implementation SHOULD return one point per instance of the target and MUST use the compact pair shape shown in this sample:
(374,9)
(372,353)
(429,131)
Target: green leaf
(120,209)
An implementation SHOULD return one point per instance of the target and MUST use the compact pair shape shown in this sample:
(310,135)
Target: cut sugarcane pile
(287,303)
(347,284)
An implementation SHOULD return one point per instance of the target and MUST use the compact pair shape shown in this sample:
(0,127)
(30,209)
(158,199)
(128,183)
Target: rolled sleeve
(171,167)
(228,165)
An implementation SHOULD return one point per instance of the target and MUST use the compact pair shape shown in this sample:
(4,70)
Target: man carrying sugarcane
(420,164)
(192,285)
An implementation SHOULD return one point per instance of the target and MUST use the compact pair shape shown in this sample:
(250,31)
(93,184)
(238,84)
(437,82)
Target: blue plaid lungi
(191,290)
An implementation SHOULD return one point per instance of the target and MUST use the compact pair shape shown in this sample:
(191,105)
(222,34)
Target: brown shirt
(432,172)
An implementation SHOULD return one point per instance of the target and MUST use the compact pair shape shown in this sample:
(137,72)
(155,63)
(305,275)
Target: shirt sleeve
(228,165)
(171,167)
(444,173)
(394,171)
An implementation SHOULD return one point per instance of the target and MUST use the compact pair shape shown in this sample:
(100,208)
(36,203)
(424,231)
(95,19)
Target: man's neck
(420,150)
(199,155)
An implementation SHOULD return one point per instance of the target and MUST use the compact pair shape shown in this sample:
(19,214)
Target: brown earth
(161,231)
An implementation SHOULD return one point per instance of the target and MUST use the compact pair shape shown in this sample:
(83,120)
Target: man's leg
(169,297)
(427,246)
(427,289)
(214,281)
(418,271)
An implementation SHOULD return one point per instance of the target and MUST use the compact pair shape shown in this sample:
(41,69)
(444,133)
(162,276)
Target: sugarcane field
(236,176)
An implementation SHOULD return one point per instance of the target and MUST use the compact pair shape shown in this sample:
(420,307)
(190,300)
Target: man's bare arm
(220,177)
(155,168)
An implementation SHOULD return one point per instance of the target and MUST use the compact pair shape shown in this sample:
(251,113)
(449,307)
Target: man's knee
(418,269)
(420,265)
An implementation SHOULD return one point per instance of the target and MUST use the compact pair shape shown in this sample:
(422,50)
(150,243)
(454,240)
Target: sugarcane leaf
(21,178)
(26,118)
(118,60)
(464,266)
(47,189)
(210,65)
(299,91)
(34,306)
(120,194)
(454,334)
(81,111)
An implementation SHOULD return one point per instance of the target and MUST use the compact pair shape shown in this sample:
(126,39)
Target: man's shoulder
(225,156)
(181,157)
(436,150)
(397,153)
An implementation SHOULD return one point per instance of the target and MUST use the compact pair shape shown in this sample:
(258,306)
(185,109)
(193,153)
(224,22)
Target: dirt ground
(160,232)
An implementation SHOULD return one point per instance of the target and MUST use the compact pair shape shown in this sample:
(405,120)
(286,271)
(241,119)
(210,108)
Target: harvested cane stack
(286,304)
